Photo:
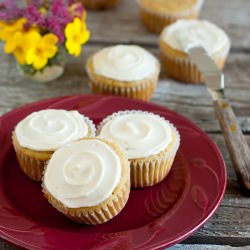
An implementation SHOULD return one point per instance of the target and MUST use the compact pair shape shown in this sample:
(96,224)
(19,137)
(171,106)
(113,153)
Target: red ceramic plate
(153,218)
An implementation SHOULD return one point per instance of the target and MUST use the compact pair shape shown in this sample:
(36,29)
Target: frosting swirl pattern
(49,129)
(139,134)
(186,34)
(125,63)
(83,173)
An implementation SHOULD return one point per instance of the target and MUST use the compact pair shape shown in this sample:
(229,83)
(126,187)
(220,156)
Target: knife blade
(235,140)
(213,76)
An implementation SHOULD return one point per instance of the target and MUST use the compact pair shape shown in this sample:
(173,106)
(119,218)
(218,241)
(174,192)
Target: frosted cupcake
(149,141)
(88,180)
(124,70)
(157,14)
(99,4)
(178,38)
(37,136)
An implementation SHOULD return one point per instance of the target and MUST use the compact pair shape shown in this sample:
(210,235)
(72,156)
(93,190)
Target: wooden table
(230,226)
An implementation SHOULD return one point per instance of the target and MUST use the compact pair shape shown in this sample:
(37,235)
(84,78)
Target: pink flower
(56,28)
(9,11)
(34,16)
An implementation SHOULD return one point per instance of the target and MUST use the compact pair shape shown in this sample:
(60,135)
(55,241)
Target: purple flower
(60,12)
(56,28)
(34,16)
(9,11)
(58,19)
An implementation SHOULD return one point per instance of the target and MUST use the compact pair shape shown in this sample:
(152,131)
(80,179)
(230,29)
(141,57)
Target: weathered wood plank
(126,25)
(234,197)
(189,100)
(226,227)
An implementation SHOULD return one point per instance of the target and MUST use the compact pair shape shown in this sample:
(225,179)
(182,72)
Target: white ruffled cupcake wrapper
(148,171)
(126,112)
(91,126)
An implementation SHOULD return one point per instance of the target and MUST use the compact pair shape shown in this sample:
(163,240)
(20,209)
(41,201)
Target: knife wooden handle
(235,140)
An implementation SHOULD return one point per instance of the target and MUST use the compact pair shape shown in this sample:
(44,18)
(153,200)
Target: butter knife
(235,140)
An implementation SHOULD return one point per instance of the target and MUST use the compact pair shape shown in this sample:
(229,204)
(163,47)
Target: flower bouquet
(40,33)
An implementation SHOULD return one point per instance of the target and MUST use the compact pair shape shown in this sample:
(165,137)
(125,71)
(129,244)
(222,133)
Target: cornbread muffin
(99,4)
(37,136)
(123,70)
(178,38)
(149,141)
(157,14)
(88,180)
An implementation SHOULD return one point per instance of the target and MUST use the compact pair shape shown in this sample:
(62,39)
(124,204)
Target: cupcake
(88,180)
(37,136)
(149,141)
(157,14)
(123,70)
(178,38)
(99,4)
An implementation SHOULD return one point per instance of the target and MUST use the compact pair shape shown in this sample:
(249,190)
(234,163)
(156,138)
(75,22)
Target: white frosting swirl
(138,133)
(125,63)
(83,173)
(49,129)
(186,34)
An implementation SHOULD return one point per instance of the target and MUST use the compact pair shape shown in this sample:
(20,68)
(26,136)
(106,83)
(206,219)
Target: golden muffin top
(168,6)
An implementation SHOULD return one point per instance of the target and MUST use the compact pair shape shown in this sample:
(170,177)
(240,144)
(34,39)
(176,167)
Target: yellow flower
(2,25)
(19,45)
(43,10)
(76,34)
(9,29)
(43,48)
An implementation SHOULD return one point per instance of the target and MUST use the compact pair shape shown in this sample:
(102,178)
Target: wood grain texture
(234,18)
(230,226)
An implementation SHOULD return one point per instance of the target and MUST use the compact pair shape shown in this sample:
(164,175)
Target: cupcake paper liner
(155,22)
(142,89)
(152,170)
(99,4)
(31,166)
(94,215)
(91,127)
(148,171)
(182,69)
(103,212)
